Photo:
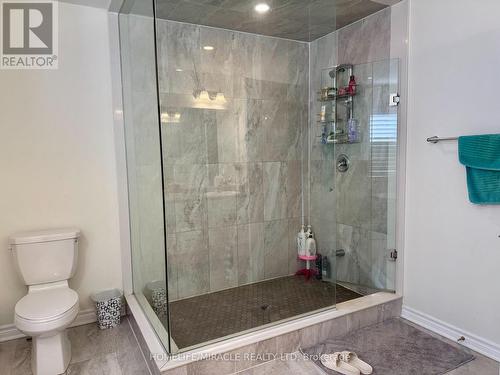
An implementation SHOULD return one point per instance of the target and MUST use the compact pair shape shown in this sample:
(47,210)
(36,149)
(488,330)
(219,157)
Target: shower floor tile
(212,316)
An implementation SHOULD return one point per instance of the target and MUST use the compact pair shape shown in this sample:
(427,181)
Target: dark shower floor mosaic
(211,316)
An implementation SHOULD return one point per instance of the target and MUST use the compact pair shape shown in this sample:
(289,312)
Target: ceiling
(303,20)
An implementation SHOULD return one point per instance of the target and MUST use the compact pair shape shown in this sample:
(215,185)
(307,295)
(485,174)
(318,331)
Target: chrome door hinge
(393,255)
(394,100)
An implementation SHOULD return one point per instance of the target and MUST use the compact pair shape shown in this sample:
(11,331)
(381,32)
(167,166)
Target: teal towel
(481,156)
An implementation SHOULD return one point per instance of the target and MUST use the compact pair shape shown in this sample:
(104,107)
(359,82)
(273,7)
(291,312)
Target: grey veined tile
(190,212)
(275,200)
(250,253)
(255,354)
(247,62)
(222,194)
(94,352)
(250,201)
(180,45)
(280,133)
(223,258)
(16,357)
(189,179)
(221,208)
(350,240)
(220,60)
(185,142)
(88,341)
(295,366)
(323,196)
(192,251)
(366,40)
(276,248)
(229,124)
(99,365)
(354,195)
(207,367)
(252,132)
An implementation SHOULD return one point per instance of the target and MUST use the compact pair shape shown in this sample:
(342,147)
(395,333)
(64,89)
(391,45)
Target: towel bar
(437,139)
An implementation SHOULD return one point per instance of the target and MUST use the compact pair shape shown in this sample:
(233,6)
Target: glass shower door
(366,191)
(384,149)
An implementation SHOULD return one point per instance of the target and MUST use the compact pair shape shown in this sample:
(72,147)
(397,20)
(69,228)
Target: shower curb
(249,350)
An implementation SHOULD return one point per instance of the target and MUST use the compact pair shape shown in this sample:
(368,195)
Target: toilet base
(51,355)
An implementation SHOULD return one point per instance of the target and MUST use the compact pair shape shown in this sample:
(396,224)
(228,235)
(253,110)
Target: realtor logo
(29,34)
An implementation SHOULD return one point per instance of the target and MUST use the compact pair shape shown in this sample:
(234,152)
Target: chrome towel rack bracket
(436,139)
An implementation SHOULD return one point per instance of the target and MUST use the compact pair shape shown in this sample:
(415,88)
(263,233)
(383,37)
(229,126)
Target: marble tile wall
(350,210)
(233,169)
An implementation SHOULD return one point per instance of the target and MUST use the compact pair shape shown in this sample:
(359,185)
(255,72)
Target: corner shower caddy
(334,131)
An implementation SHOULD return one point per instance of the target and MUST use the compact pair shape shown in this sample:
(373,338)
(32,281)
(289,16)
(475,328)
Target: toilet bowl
(46,260)
(44,314)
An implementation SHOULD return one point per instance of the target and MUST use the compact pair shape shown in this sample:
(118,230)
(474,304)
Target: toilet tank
(46,256)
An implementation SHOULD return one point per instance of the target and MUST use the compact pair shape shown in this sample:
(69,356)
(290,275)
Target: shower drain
(265,307)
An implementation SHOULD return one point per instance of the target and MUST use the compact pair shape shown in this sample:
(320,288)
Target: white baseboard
(85,317)
(10,332)
(474,342)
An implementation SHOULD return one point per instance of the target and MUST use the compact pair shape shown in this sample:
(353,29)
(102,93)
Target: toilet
(46,260)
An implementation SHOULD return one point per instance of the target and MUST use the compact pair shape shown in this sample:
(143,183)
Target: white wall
(57,156)
(452,248)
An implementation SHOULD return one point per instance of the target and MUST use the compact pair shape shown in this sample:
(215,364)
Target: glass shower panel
(144,169)
(353,187)
(366,192)
(384,147)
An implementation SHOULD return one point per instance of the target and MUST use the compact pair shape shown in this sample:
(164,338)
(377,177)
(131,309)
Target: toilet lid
(46,304)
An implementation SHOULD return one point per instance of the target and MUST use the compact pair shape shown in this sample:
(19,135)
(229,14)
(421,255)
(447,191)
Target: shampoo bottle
(310,246)
(309,232)
(301,242)
(352,86)
(353,130)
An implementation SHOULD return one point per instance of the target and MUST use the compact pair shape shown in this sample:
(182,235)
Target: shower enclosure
(238,132)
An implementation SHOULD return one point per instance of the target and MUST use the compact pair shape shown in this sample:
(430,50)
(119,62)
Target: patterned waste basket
(158,297)
(109,307)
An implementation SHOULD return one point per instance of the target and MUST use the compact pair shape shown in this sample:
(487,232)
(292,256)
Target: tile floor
(115,352)
(211,316)
(95,352)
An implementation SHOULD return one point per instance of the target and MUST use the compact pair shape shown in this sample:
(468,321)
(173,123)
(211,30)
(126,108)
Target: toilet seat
(46,310)
(46,304)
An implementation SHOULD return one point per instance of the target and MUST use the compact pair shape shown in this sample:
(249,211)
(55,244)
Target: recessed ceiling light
(208,48)
(262,8)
